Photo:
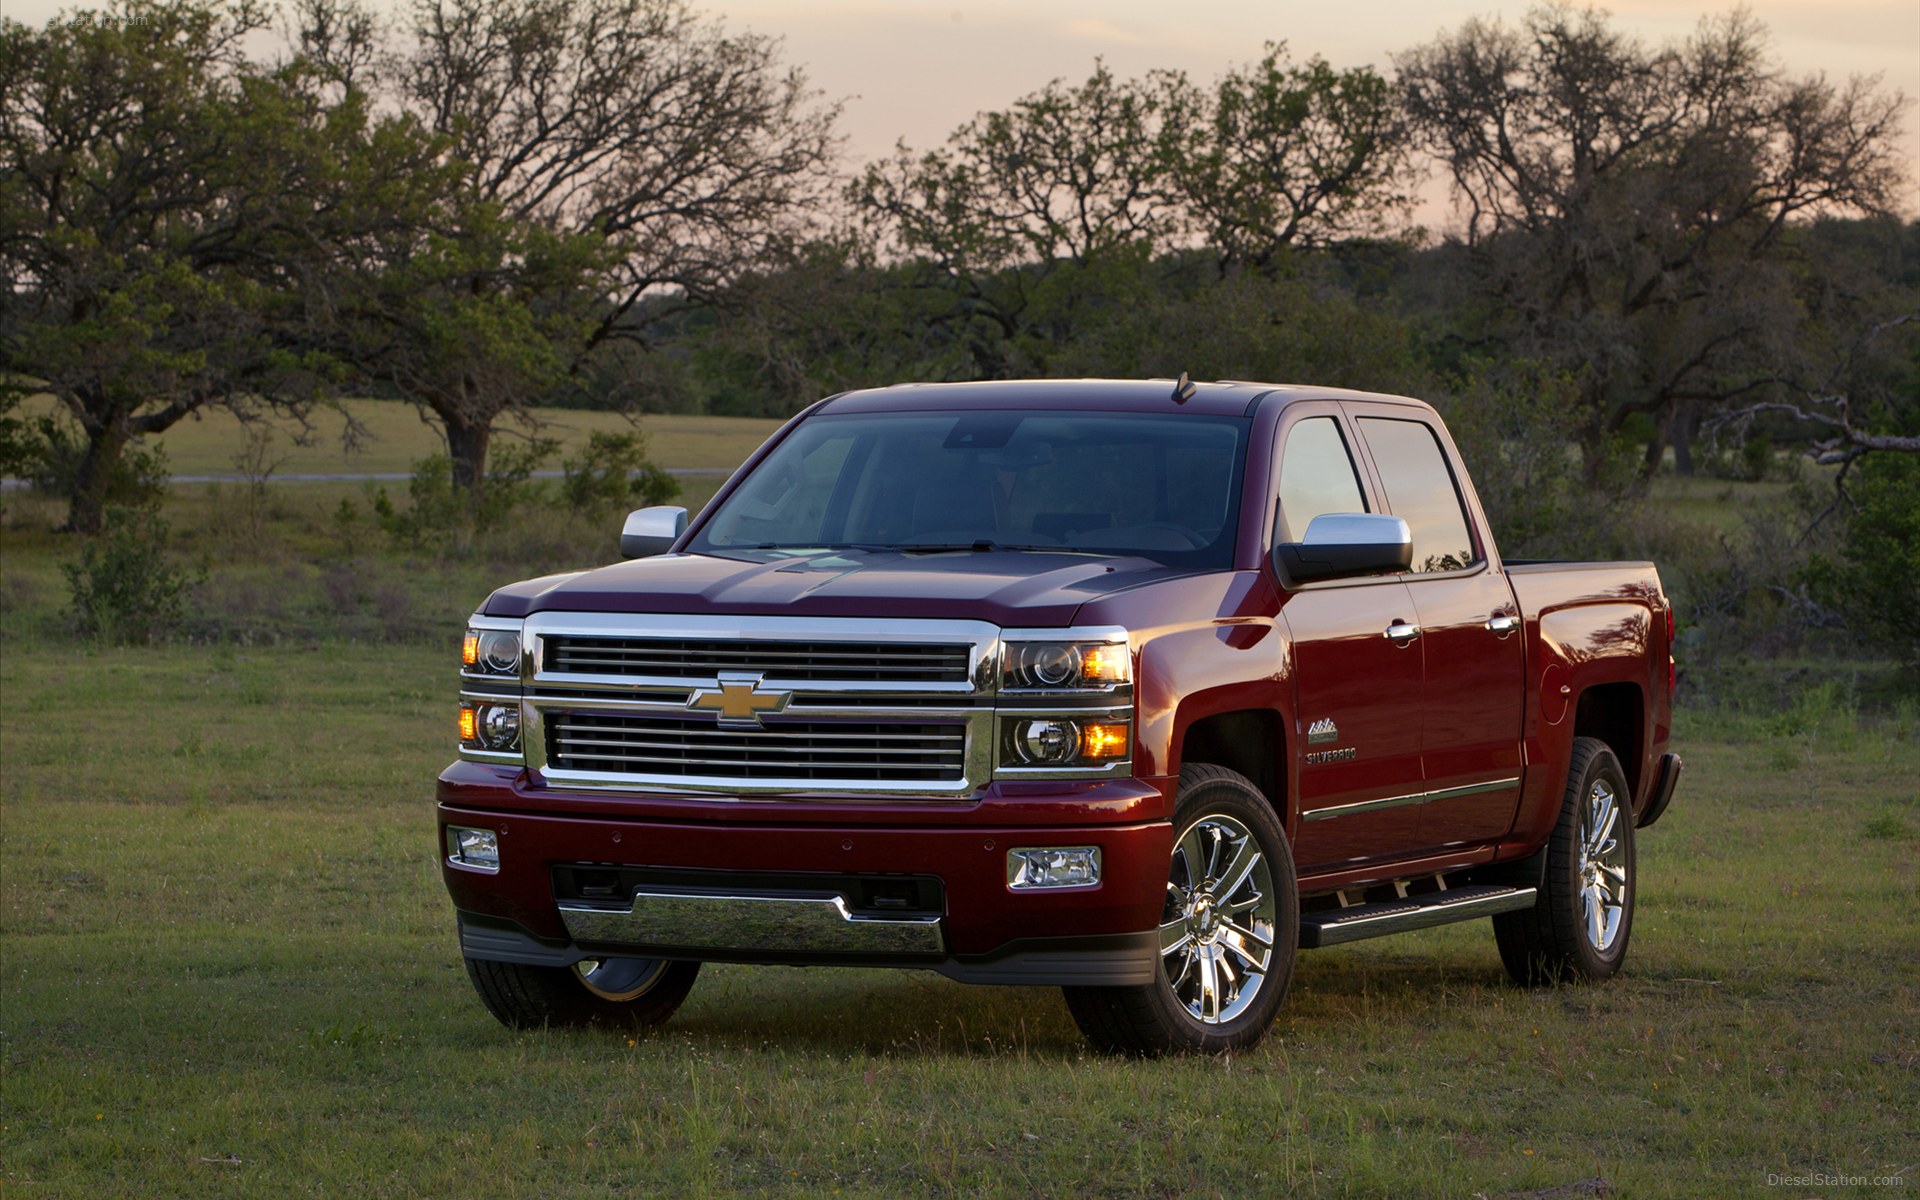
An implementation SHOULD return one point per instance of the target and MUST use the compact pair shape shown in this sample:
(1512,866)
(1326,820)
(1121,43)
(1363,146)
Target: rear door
(1473,658)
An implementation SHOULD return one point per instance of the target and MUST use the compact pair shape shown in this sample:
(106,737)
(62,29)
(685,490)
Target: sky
(917,69)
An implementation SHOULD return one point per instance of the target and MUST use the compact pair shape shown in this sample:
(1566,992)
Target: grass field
(230,970)
(398,438)
(227,965)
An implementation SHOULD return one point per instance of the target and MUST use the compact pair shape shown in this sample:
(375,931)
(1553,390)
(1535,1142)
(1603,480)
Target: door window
(1316,477)
(1420,490)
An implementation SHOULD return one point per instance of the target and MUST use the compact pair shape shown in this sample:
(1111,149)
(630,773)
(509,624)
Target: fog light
(1031,869)
(476,849)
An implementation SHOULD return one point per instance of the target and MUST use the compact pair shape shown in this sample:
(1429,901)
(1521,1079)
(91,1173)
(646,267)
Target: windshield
(1165,487)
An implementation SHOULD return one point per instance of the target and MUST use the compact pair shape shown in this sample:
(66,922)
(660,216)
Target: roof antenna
(1183,389)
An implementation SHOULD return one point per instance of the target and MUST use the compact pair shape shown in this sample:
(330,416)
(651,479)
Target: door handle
(1402,634)
(1502,624)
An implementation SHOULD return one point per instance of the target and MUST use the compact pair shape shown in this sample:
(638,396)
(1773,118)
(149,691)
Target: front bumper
(721,881)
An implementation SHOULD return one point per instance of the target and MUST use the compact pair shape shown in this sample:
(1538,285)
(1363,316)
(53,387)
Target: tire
(1216,987)
(623,992)
(1578,929)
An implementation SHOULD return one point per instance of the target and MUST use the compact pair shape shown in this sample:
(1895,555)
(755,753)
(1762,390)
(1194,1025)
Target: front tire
(1228,931)
(630,992)
(1578,928)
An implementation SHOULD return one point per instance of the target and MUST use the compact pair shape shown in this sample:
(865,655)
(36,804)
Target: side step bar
(1331,927)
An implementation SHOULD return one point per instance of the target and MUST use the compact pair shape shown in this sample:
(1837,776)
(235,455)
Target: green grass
(227,966)
(229,969)
(398,438)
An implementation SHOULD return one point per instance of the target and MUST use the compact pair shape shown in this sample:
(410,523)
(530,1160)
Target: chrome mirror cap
(1345,546)
(651,531)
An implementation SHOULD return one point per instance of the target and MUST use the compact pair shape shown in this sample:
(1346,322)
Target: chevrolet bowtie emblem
(739,700)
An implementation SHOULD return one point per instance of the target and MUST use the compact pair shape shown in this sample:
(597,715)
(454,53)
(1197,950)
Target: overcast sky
(916,69)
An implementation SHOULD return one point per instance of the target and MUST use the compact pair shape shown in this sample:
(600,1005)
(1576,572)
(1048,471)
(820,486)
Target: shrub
(50,452)
(440,512)
(1875,579)
(124,589)
(613,472)
(1516,424)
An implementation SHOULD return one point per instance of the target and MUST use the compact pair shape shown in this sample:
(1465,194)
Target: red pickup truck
(1133,688)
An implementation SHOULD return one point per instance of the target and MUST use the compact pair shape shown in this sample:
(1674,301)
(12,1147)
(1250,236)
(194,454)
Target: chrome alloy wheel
(1603,868)
(620,979)
(1217,930)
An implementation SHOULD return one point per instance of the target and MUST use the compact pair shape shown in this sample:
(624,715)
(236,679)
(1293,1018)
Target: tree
(1025,213)
(607,152)
(1625,207)
(150,198)
(1279,155)
(1041,223)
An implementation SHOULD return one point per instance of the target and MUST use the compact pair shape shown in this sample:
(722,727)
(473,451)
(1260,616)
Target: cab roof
(1228,398)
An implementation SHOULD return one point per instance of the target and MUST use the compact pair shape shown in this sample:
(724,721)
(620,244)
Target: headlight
(1065,704)
(494,727)
(1064,666)
(491,652)
(1064,742)
(490,691)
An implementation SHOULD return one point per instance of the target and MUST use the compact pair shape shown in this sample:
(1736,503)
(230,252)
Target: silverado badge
(738,700)
(1322,731)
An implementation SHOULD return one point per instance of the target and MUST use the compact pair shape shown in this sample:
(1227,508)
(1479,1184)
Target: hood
(1008,588)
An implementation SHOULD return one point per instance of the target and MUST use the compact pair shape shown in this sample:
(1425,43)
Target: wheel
(607,991)
(1228,931)
(1578,928)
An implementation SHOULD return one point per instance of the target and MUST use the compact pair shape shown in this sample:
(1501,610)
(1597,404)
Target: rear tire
(1578,928)
(1228,931)
(630,992)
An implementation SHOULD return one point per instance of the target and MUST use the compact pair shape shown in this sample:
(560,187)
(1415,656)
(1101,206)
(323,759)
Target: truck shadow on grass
(882,1012)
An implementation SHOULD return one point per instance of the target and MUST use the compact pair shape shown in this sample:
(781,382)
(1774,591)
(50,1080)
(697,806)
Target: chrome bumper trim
(751,924)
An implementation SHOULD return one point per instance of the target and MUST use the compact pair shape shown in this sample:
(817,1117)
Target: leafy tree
(1875,581)
(1626,207)
(607,152)
(1019,209)
(1040,225)
(150,184)
(1278,155)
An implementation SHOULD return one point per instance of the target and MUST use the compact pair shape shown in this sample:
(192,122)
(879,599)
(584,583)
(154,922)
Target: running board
(1331,927)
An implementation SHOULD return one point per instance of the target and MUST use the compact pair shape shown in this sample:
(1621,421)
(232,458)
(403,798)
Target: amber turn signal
(1103,741)
(1104,664)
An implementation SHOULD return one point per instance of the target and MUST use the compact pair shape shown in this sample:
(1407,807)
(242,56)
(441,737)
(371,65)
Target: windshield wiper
(981,546)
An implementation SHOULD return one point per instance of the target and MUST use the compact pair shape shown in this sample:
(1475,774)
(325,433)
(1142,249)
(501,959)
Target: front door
(1357,724)
(1357,686)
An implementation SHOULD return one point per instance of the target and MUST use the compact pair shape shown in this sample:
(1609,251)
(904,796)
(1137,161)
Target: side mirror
(1345,546)
(651,531)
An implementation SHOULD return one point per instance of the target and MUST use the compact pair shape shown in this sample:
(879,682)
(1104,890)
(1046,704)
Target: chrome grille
(878,706)
(834,661)
(696,747)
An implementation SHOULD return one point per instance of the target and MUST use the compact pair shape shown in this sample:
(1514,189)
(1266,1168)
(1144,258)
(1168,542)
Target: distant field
(207,445)
(230,970)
